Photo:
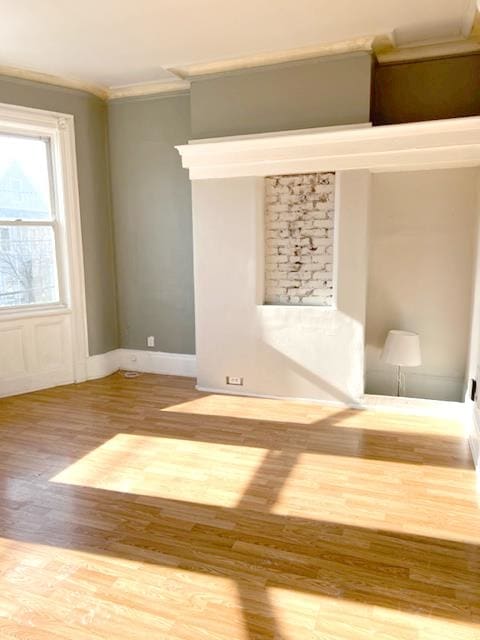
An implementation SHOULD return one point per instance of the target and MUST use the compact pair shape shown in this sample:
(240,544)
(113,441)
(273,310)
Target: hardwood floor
(140,508)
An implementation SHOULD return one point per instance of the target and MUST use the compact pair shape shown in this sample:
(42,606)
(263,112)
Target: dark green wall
(427,90)
(312,93)
(90,115)
(153,222)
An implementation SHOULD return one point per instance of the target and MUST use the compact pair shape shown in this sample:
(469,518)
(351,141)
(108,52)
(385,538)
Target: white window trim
(59,128)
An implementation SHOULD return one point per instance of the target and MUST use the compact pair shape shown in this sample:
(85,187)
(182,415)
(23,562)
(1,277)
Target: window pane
(24,179)
(28,271)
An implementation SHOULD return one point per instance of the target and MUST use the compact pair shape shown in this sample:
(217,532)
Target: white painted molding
(426,145)
(474,435)
(392,404)
(174,364)
(361,44)
(248,394)
(66,176)
(147,89)
(383,46)
(103,364)
(428,51)
(415,406)
(32,382)
(58,81)
(105,93)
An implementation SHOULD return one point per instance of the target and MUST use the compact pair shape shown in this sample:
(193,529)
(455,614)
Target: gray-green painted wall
(153,222)
(312,93)
(93,176)
(151,192)
(138,259)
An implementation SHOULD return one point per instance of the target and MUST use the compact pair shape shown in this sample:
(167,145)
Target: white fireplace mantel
(424,145)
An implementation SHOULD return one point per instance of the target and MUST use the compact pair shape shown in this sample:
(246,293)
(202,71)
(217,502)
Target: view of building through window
(28,265)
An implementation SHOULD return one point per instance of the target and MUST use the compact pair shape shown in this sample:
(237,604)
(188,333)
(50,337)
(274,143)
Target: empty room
(240,320)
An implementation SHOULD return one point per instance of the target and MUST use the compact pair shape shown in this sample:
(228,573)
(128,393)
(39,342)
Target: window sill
(17,313)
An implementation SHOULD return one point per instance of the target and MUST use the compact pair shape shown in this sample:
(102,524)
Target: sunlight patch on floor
(200,472)
(310,413)
(300,615)
(65,582)
(247,408)
(392,496)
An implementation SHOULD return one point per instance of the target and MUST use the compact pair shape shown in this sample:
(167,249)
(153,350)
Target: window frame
(59,130)
(55,223)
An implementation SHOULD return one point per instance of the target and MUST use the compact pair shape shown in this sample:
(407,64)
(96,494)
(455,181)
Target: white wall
(473,364)
(305,352)
(421,264)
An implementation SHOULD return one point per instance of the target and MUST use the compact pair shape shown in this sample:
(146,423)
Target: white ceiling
(120,42)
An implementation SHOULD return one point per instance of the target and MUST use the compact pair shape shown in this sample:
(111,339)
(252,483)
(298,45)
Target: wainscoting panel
(35,353)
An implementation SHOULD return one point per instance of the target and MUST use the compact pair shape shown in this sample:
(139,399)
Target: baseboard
(103,364)
(249,394)
(34,382)
(415,406)
(173,364)
(418,385)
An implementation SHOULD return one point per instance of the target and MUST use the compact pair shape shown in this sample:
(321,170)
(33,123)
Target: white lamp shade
(402,348)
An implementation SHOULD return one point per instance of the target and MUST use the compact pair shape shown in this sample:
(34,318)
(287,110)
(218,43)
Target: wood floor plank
(141,508)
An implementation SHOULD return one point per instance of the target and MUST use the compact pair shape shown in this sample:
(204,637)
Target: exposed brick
(299,226)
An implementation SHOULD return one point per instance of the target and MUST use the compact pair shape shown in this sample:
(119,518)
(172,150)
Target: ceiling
(111,43)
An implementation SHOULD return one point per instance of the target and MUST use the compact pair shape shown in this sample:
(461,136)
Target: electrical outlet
(151,341)
(235,380)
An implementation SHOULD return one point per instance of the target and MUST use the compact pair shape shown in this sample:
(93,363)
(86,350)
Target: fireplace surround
(302,351)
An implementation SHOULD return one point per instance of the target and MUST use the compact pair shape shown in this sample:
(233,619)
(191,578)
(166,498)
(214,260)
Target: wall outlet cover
(234,380)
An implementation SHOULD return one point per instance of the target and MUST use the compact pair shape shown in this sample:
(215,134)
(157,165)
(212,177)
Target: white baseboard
(34,382)
(418,385)
(236,392)
(415,406)
(174,364)
(103,364)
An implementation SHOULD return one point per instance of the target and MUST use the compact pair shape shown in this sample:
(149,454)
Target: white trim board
(173,364)
(104,364)
(387,404)
(398,147)
(474,436)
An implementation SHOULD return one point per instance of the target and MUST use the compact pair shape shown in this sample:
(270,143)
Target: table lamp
(402,349)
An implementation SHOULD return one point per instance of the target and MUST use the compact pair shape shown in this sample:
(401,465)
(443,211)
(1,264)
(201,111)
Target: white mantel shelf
(425,145)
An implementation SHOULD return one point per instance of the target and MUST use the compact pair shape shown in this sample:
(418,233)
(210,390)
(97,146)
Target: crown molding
(430,50)
(468,42)
(364,44)
(147,89)
(58,81)
(383,47)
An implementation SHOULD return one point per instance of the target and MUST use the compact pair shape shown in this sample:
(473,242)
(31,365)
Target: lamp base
(400,382)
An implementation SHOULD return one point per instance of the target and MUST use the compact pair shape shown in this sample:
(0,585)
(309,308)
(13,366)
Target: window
(29,234)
